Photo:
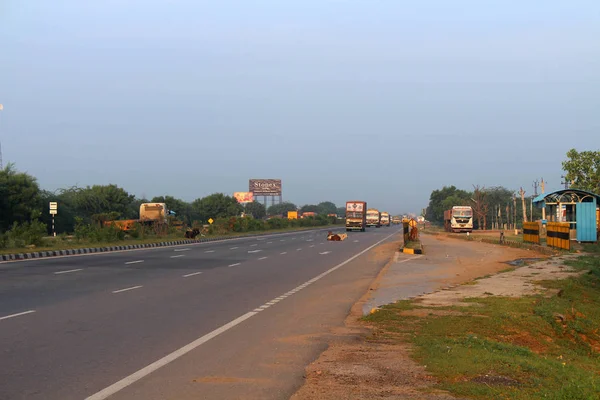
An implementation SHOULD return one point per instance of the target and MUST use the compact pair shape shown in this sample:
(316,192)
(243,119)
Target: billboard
(244,197)
(265,187)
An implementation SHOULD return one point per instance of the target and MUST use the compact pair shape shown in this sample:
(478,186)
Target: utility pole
(565,181)
(543,187)
(522,193)
(515,213)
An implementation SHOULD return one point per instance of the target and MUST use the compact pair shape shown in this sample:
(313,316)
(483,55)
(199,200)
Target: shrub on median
(23,235)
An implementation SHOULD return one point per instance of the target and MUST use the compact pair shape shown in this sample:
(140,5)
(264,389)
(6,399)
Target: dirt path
(360,365)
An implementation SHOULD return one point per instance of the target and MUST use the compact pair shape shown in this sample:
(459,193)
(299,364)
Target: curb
(412,251)
(91,250)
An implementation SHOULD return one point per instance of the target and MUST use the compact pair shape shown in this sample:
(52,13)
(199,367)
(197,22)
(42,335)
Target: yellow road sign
(210,221)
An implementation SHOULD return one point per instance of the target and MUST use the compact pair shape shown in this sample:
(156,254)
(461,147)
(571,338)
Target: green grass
(532,347)
(413,245)
(64,243)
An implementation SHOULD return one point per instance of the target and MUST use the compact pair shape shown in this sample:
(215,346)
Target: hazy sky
(376,100)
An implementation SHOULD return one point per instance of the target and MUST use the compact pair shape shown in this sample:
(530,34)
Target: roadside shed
(577,207)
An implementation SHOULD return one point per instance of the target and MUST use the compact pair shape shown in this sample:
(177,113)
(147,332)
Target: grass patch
(532,347)
(416,245)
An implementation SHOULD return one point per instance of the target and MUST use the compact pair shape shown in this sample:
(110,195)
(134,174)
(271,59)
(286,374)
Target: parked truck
(356,217)
(459,219)
(151,214)
(385,218)
(373,218)
(396,220)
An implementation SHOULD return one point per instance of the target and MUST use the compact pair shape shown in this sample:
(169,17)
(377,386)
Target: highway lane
(25,284)
(117,318)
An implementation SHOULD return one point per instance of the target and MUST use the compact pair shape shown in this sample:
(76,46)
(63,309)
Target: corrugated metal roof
(564,195)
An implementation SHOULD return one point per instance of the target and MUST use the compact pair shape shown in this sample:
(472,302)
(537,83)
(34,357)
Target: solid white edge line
(192,274)
(68,271)
(126,289)
(17,314)
(136,376)
(134,262)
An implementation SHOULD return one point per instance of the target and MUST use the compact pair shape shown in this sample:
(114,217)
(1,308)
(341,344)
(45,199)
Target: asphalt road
(220,320)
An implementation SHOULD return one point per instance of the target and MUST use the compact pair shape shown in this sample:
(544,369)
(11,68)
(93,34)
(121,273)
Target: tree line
(498,206)
(23,201)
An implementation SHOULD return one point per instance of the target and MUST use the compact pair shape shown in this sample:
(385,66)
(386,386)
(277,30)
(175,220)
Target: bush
(24,234)
(96,233)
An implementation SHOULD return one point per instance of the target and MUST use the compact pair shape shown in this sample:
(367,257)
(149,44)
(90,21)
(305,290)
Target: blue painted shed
(578,207)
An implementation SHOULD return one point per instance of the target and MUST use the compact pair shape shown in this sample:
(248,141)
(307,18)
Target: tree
(583,170)
(101,199)
(256,209)
(216,205)
(341,211)
(327,207)
(309,208)
(183,210)
(435,209)
(480,206)
(19,197)
(282,208)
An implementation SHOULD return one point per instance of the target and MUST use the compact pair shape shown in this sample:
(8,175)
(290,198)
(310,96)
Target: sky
(382,101)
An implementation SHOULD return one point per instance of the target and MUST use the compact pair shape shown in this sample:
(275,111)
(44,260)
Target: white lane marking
(126,289)
(17,314)
(186,249)
(282,240)
(409,259)
(356,241)
(234,265)
(232,248)
(260,239)
(209,251)
(178,255)
(285,252)
(136,376)
(310,240)
(68,271)
(298,249)
(254,251)
(134,262)
(325,252)
(269,242)
(253,245)
(312,245)
(192,274)
(262,258)
(321,243)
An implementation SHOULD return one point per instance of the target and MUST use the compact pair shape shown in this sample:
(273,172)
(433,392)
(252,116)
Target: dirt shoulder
(377,357)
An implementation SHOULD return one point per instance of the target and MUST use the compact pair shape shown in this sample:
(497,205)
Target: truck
(396,220)
(356,216)
(385,218)
(373,217)
(459,219)
(151,214)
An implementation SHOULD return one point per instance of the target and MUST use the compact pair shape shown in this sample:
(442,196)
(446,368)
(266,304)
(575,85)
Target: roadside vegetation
(25,222)
(534,347)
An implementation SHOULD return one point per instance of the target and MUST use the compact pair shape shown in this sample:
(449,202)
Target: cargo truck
(356,217)
(459,219)
(396,220)
(151,214)
(385,218)
(373,218)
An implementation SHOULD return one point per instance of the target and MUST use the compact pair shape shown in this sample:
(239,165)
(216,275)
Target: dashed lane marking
(134,262)
(127,289)
(68,271)
(192,274)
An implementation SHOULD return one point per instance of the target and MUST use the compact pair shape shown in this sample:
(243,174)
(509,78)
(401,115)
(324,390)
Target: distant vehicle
(373,218)
(308,214)
(385,218)
(151,214)
(420,219)
(459,219)
(396,220)
(356,217)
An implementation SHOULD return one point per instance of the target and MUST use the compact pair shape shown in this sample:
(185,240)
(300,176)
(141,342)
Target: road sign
(210,221)
(53,205)
(53,212)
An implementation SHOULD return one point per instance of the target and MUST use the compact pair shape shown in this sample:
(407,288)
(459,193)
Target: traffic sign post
(53,211)
(210,221)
